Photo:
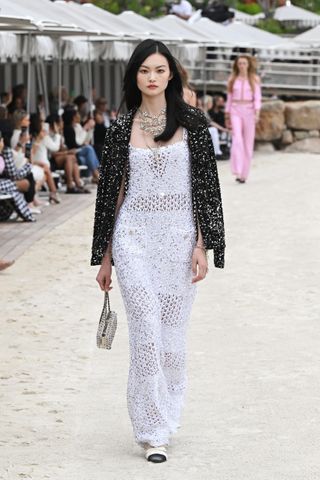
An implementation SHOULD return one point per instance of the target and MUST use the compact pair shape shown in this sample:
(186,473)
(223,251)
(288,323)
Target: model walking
(158,210)
(242,114)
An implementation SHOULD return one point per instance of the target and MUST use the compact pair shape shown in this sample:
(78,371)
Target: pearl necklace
(153,124)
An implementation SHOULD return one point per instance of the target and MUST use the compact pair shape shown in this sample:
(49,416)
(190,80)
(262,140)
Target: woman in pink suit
(242,114)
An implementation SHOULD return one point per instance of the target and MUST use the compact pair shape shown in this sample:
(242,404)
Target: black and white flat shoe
(156,454)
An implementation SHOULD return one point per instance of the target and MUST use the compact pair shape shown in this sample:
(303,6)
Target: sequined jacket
(206,197)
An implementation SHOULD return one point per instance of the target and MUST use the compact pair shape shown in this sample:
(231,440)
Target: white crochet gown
(153,240)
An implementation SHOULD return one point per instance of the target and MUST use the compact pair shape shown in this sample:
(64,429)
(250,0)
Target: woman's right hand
(104,275)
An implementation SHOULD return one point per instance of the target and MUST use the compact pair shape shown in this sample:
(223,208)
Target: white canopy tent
(142,26)
(310,38)
(183,29)
(215,31)
(255,37)
(297,15)
(9,46)
(93,18)
(219,33)
(38,17)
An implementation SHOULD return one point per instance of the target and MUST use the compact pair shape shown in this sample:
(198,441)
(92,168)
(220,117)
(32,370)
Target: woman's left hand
(199,264)
(257,117)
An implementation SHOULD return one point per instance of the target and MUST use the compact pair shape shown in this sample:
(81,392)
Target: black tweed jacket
(206,196)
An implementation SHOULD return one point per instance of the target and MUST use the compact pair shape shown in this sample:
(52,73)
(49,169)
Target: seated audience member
(65,158)
(216,112)
(5,123)
(18,102)
(76,137)
(206,106)
(20,143)
(14,182)
(99,133)
(82,106)
(102,108)
(5,99)
(41,143)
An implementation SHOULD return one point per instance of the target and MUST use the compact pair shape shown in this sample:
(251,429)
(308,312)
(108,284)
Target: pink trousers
(242,118)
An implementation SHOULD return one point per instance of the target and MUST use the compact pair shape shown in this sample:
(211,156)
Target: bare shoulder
(257,79)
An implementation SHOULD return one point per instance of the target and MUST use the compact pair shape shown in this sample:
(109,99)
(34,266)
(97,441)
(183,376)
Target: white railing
(292,73)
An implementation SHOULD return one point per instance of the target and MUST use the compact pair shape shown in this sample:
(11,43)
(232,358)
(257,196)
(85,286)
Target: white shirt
(47,143)
(183,8)
(15,138)
(82,136)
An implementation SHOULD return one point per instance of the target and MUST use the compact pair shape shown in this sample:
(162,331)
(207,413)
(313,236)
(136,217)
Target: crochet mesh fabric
(152,244)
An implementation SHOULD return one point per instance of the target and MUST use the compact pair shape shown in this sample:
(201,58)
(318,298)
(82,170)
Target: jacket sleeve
(11,171)
(52,143)
(209,203)
(104,204)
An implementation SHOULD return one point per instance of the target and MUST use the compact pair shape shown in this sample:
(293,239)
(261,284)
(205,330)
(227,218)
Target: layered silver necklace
(153,124)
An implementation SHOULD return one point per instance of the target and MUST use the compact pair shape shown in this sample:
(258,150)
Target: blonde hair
(252,78)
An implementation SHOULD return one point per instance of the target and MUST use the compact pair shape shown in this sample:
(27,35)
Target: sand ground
(252,409)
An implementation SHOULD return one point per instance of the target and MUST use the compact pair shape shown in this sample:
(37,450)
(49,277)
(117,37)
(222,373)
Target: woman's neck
(243,75)
(153,105)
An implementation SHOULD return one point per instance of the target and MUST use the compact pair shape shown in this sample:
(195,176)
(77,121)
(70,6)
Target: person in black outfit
(217,111)
(99,133)
(218,12)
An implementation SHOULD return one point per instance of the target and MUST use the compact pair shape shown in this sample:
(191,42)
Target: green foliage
(148,8)
(271,25)
(313,5)
(250,8)
(274,26)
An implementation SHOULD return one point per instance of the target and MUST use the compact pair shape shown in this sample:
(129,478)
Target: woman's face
(153,75)
(243,65)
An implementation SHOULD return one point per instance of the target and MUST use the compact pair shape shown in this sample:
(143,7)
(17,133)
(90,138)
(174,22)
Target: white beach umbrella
(181,28)
(144,27)
(291,13)
(219,33)
(9,47)
(254,36)
(309,38)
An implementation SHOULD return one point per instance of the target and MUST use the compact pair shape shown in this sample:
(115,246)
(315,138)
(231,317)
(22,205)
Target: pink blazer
(242,91)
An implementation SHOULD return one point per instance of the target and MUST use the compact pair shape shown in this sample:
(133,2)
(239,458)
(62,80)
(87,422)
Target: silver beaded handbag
(107,325)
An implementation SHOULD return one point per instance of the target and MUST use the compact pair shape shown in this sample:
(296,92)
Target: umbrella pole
(89,77)
(59,78)
(204,71)
(29,75)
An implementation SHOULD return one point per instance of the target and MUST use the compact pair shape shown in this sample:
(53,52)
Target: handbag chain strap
(107,300)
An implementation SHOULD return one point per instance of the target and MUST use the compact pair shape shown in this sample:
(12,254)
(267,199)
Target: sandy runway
(253,404)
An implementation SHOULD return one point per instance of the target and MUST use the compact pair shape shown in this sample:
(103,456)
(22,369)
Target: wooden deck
(17,236)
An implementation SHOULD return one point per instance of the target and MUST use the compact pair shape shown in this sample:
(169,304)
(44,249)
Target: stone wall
(291,126)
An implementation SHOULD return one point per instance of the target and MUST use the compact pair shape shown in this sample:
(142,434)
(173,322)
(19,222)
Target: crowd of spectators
(34,147)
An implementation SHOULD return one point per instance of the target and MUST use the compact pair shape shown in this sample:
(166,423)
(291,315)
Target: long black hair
(178,112)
